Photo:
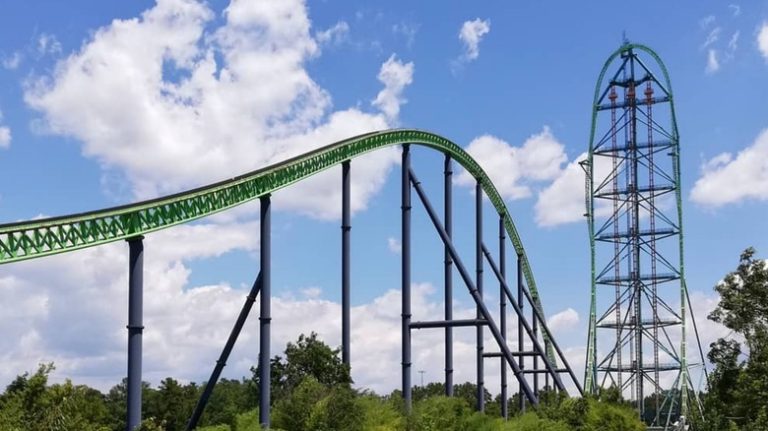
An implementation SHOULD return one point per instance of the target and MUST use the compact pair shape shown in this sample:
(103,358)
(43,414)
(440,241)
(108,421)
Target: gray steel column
(345,267)
(536,357)
(448,276)
(479,285)
(135,329)
(406,276)
(265,317)
(503,313)
(520,344)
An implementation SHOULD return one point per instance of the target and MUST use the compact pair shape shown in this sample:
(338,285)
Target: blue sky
(105,103)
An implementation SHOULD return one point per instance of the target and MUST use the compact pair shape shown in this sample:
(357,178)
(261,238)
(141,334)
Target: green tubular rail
(37,238)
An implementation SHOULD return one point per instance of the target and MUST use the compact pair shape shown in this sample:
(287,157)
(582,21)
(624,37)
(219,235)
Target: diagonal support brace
(525,388)
(222,361)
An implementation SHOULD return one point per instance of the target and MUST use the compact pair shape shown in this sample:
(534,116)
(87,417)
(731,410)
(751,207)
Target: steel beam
(406,276)
(541,319)
(448,275)
(265,318)
(526,389)
(457,323)
(479,285)
(135,329)
(535,358)
(503,313)
(520,345)
(526,326)
(222,361)
(345,263)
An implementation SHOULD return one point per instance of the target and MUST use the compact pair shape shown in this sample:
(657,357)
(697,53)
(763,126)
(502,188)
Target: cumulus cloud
(5,134)
(564,320)
(471,33)
(393,244)
(12,62)
(514,169)
(334,35)
(727,179)
(71,309)
(713,65)
(762,40)
(48,44)
(395,75)
(208,102)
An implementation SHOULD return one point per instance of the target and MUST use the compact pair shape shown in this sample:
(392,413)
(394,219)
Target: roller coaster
(44,237)
(536,353)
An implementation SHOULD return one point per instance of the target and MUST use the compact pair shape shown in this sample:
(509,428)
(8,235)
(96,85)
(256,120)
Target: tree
(310,356)
(738,387)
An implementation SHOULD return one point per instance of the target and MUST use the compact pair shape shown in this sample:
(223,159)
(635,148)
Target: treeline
(311,390)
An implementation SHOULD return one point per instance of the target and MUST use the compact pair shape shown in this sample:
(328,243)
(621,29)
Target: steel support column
(222,361)
(535,358)
(503,313)
(520,345)
(448,277)
(265,318)
(135,329)
(406,276)
(479,286)
(345,266)
(506,353)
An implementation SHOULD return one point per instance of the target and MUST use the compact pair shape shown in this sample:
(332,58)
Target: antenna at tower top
(624,39)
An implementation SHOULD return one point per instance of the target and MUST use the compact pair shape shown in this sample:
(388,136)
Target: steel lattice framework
(38,238)
(639,300)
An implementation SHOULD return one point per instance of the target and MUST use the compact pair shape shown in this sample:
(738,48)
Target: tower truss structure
(639,300)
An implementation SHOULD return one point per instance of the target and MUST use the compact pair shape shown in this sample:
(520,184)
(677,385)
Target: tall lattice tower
(639,301)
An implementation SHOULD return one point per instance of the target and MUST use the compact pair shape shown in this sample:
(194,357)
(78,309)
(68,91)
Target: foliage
(738,386)
(315,395)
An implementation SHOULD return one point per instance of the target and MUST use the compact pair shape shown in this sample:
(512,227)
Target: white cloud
(564,320)
(471,34)
(71,309)
(5,134)
(705,22)
(735,8)
(48,44)
(513,169)
(762,39)
(407,30)
(334,35)
(712,37)
(12,62)
(733,44)
(727,179)
(395,75)
(394,245)
(563,201)
(713,65)
(209,103)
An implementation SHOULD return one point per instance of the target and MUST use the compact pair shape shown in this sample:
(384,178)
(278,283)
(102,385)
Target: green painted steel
(37,238)
(590,384)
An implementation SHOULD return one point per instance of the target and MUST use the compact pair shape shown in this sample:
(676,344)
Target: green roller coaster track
(590,377)
(37,238)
